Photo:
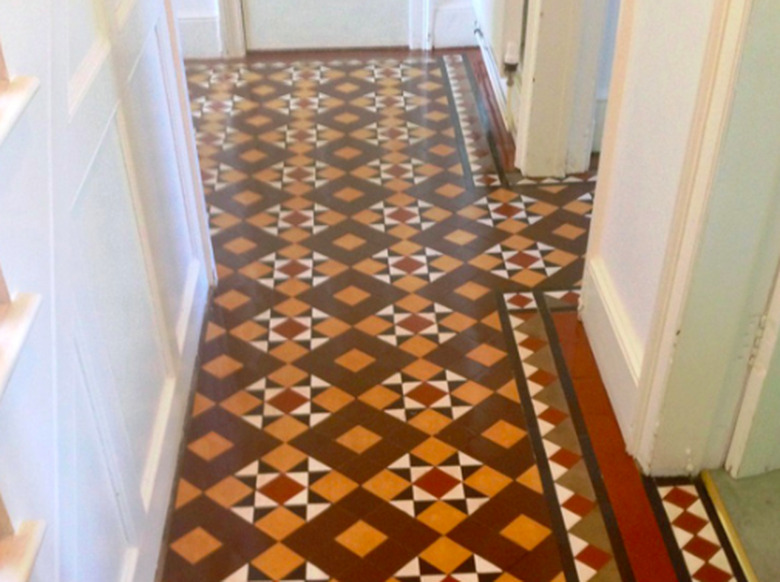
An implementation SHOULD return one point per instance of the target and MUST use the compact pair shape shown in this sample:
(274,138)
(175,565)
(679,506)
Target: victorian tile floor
(393,384)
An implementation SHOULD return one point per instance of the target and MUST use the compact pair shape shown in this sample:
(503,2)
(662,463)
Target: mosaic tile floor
(381,397)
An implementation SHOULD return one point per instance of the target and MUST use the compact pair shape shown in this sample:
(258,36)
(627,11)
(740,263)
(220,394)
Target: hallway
(392,376)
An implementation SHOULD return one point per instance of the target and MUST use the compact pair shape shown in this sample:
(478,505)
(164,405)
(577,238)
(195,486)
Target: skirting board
(200,35)
(615,345)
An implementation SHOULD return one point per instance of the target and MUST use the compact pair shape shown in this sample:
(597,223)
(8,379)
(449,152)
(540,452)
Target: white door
(131,278)
(312,24)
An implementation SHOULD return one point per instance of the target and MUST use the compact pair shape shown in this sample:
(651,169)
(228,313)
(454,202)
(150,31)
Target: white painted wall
(99,169)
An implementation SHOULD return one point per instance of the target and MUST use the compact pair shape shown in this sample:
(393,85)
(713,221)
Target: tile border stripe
(548,484)
(588,454)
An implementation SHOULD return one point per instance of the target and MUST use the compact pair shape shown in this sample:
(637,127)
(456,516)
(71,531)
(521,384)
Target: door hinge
(757,339)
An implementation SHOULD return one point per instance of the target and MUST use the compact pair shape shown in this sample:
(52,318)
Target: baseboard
(615,345)
(497,83)
(200,35)
(453,24)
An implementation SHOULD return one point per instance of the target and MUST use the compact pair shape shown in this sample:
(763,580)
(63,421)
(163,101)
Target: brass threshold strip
(728,527)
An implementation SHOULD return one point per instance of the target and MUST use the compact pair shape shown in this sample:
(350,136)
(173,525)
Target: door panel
(299,24)
(148,138)
(116,302)
(132,288)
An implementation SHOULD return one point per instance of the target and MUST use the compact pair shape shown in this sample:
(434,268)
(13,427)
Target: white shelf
(18,552)
(14,101)
(15,325)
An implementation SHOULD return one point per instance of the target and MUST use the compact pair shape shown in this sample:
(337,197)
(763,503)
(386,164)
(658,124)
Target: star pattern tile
(357,416)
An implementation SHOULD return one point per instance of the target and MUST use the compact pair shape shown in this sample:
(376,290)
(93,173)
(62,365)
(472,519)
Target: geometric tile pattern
(357,415)
(582,518)
(694,532)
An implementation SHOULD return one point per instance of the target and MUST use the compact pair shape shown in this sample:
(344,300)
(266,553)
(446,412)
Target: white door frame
(231,14)
(234,35)
(755,384)
(558,92)
(714,106)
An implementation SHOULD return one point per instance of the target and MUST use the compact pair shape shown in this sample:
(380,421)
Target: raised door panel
(115,302)
(149,140)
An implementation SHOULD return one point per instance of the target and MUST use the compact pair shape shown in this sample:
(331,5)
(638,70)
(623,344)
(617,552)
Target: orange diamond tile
(210,446)
(277,562)
(526,532)
(196,545)
(504,434)
(280,523)
(355,360)
(486,355)
(442,517)
(445,555)
(361,539)
(358,439)
(228,491)
(222,366)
